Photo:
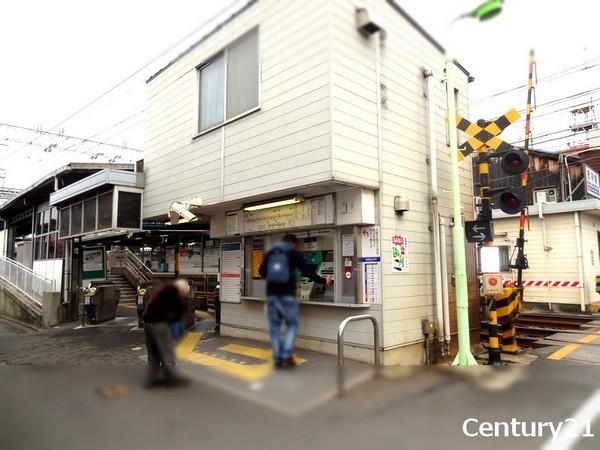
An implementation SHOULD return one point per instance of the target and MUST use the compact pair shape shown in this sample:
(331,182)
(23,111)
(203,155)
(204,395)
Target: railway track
(534,328)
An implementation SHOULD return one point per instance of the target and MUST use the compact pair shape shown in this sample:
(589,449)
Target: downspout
(435,219)
(445,299)
(578,243)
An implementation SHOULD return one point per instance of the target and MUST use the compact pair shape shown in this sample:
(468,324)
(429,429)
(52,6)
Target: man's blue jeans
(282,308)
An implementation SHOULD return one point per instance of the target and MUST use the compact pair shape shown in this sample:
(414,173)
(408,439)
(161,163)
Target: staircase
(128,292)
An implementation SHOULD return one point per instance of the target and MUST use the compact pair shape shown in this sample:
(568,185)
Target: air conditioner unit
(547,195)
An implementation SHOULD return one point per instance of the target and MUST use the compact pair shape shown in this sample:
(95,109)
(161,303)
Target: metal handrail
(25,280)
(340,345)
(133,263)
(25,268)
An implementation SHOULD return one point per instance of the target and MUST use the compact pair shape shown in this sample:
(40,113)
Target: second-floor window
(228,83)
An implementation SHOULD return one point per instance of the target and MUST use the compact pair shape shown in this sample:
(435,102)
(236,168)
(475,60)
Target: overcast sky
(59,55)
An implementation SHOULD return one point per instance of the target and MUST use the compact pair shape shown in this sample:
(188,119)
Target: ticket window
(318,251)
(322,251)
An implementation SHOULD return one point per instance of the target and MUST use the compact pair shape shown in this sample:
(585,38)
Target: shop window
(51,245)
(36,248)
(105,211)
(65,220)
(89,215)
(45,221)
(129,210)
(318,248)
(44,247)
(38,223)
(60,248)
(53,219)
(76,216)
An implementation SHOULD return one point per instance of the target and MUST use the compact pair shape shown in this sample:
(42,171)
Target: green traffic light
(488,10)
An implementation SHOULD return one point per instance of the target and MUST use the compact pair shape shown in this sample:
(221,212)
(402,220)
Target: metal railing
(25,280)
(340,345)
(127,260)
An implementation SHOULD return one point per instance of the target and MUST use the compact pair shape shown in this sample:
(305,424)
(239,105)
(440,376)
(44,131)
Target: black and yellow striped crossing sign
(486,135)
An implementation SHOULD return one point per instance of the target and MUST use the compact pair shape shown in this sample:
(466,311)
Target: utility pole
(483,12)
(464,356)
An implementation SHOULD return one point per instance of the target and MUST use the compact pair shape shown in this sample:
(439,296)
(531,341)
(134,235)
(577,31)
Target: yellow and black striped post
(494,354)
(507,308)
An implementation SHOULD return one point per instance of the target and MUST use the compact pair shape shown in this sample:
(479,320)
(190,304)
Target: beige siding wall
(560,263)
(285,144)
(408,298)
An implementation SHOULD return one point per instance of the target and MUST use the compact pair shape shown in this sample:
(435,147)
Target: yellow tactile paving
(241,370)
(255,352)
(569,348)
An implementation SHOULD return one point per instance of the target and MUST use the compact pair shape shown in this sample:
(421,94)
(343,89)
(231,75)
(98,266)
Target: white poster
(399,253)
(347,245)
(370,241)
(93,260)
(231,269)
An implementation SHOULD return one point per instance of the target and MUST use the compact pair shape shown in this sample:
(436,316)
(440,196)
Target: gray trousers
(161,349)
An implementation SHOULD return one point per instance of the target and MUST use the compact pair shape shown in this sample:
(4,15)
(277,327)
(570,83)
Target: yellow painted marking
(244,372)
(254,352)
(569,348)
(241,370)
(187,344)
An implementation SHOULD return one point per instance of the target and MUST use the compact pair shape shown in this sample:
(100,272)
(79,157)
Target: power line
(65,137)
(141,69)
(550,77)
(110,128)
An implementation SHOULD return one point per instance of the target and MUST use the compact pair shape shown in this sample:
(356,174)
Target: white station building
(318,118)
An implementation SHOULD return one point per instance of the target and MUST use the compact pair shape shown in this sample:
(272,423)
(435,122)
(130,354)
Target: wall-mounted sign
(592,182)
(347,245)
(93,263)
(399,253)
(315,211)
(371,282)
(233,223)
(370,241)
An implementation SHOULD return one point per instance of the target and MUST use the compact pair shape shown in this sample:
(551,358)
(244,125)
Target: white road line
(574,429)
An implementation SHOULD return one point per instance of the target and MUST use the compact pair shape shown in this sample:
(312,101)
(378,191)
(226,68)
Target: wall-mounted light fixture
(274,203)
(401,205)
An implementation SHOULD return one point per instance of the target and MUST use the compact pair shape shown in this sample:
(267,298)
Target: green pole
(464,356)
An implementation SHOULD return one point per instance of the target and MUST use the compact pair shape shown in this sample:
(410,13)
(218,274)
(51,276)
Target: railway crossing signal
(485,133)
(485,141)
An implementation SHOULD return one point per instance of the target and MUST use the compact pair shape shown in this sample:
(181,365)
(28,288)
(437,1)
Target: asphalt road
(82,389)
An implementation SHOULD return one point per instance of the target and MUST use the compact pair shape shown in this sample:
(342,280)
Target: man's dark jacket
(165,305)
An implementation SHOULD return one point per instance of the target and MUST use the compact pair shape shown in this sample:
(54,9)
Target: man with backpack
(279,267)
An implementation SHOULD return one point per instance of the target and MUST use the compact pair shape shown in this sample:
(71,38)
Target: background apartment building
(298,117)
